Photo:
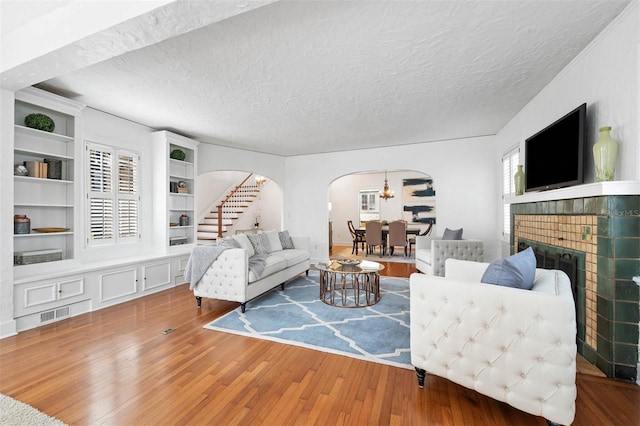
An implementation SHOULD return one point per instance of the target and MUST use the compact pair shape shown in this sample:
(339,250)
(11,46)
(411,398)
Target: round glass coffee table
(350,284)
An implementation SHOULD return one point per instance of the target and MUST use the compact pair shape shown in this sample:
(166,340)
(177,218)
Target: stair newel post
(219,220)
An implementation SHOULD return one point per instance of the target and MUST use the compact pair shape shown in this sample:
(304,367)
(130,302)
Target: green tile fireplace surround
(603,233)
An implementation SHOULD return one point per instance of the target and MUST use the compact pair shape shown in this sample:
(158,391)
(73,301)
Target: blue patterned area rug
(296,316)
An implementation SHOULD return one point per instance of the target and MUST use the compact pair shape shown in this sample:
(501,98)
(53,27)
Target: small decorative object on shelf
(184,220)
(177,241)
(20,170)
(177,154)
(518,180)
(605,151)
(182,187)
(54,168)
(36,256)
(21,224)
(40,122)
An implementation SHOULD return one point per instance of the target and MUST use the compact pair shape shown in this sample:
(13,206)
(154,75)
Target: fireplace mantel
(622,187)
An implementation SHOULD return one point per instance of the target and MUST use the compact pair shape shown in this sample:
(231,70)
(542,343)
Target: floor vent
(63,312)
(47,316)
(55,314)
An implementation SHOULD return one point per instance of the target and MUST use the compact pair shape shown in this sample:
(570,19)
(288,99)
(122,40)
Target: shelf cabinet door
(156,276)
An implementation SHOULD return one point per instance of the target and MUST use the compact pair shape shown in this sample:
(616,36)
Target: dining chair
(412,239)
(358,238)
(398,236)
(373,236)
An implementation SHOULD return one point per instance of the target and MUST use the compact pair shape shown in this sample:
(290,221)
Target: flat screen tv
(554,156)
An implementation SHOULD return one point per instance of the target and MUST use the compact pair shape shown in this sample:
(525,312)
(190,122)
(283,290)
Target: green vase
(518,180)
(605,151)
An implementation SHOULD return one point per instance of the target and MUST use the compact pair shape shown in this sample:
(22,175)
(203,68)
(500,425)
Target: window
(510,162)
(112,195)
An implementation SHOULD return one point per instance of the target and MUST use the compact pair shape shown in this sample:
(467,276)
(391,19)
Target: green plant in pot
(177,154)
(40,122)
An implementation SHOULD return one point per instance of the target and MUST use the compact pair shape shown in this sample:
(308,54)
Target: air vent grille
(47,316)
(63,312)
(55,314)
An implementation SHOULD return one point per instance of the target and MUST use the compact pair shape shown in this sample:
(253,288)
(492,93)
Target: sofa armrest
(226,278)
(465,270)
(441,250)
(301,243)
(424,241)
(514,345)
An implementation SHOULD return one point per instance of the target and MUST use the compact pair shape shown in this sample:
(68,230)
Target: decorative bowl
(348,262)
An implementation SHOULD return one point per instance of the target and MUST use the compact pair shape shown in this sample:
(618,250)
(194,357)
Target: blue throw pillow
(517,271)
(452,234)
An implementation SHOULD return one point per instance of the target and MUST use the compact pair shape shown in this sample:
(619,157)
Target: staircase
(218,222)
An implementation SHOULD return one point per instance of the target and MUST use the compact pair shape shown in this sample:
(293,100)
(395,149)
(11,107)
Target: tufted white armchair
(516,346)
(432,252)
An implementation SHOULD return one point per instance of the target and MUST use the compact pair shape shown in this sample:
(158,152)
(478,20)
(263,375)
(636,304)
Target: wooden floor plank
(113,367)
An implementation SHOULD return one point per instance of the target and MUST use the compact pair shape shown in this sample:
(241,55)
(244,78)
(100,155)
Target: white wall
(106,129)
(7,324)
(463,171)
(605,75)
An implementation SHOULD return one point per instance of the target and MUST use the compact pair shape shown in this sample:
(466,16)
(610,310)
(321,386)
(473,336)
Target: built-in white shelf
(40,180)
(625,187)
(64,206)
(42,234)
(19,129)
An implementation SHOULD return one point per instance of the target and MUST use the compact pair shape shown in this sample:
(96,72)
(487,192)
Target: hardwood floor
(114,367)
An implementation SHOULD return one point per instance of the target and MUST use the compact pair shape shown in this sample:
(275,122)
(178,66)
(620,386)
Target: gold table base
(346,288)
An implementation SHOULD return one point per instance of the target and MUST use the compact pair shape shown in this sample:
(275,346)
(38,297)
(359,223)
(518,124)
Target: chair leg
(420,373)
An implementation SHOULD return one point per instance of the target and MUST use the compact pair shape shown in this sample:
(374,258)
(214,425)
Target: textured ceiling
(298,77)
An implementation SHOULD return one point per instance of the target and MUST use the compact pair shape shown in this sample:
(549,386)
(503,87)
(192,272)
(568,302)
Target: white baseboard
(8,329)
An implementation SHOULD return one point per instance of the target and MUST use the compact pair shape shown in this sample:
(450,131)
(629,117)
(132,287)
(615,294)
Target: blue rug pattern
(296,316)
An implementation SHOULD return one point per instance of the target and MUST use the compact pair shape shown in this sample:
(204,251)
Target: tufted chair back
(516,346)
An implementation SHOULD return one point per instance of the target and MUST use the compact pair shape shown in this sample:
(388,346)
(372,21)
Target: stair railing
(230,204)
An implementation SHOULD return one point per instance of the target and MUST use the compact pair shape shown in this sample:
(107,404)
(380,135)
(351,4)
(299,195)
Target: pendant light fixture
(385,193)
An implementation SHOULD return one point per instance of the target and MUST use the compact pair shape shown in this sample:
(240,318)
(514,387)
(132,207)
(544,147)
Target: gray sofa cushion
(452,234)
(260,243)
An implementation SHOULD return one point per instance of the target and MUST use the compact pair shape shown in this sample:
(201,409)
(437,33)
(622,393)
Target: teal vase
(605,152)
(518,180)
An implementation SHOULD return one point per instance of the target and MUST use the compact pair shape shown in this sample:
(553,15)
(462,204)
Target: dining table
(385,232)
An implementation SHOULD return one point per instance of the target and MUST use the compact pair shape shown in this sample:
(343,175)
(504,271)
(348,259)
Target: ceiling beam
(81,33)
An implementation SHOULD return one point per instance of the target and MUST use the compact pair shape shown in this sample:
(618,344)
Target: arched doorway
(263,211)
(355,197)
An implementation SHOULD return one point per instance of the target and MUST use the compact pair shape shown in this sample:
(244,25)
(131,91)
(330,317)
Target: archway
(414,200)
(265,209)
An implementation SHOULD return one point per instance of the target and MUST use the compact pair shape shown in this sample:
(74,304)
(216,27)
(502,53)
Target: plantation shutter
(510,162)
(128,196)
(100,195)
(113,195)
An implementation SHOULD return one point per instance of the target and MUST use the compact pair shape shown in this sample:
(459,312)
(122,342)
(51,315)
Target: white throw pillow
(244,242)
(274,241)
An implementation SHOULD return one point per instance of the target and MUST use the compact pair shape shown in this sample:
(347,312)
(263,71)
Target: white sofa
(228,277)
(432,252)
(516,346)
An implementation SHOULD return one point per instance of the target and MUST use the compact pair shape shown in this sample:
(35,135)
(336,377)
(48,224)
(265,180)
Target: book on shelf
(36,168)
